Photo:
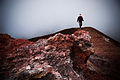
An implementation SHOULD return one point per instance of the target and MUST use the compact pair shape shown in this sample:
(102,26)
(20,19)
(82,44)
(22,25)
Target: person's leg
(80,24)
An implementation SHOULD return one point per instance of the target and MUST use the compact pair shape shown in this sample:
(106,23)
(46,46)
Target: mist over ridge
(31,18)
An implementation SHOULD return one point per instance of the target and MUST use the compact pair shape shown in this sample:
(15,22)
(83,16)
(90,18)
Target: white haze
(31,18)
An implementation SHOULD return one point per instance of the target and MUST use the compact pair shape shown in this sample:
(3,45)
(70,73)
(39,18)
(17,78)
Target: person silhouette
(79,20)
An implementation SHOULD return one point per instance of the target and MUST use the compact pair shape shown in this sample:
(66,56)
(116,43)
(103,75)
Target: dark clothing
(80,24)
(79,20)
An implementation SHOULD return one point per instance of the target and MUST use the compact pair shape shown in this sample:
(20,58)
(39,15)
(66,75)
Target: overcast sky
(31,18)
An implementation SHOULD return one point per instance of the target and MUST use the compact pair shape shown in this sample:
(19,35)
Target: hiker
(79,20)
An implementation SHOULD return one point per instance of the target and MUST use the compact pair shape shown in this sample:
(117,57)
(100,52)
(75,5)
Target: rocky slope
(105,60)
(70,54)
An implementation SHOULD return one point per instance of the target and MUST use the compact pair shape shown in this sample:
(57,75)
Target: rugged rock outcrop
(60,57)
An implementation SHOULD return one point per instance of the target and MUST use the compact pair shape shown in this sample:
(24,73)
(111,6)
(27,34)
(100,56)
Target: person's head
(80,14)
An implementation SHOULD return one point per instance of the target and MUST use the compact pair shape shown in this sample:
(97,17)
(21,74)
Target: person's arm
(82,19)
(77,19)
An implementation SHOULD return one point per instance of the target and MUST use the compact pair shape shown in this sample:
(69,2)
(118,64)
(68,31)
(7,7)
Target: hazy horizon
(32,18)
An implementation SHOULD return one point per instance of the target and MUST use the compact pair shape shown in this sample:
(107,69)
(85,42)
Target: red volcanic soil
(7,45)
(107,48)
(107,51)
(60,56)
(70,55)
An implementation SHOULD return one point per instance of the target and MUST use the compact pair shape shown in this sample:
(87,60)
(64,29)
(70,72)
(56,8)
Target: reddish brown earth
(75,54)
(7,45)
(60,57)
(107,52)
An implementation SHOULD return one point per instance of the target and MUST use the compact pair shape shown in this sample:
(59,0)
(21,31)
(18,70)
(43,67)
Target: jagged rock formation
(60,57)
(105,60)
(67,56)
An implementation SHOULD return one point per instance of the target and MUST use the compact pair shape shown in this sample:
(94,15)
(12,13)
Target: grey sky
(31,18)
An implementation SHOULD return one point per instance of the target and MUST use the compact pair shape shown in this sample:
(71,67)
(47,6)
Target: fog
(31,18)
